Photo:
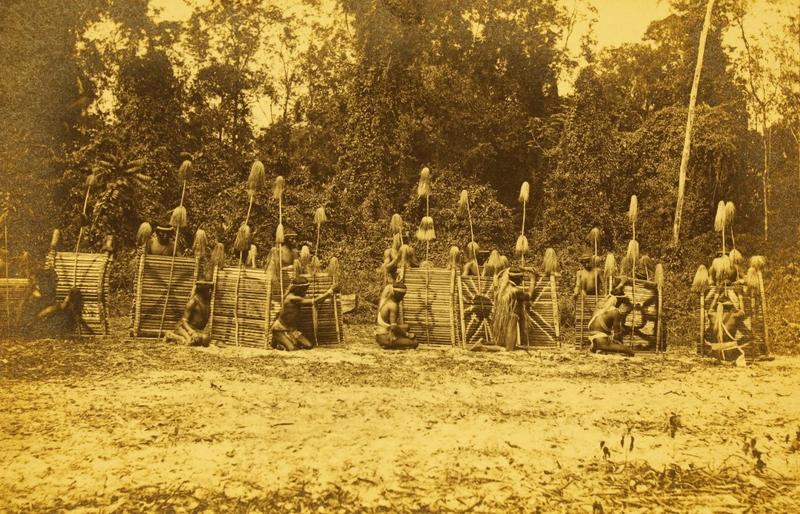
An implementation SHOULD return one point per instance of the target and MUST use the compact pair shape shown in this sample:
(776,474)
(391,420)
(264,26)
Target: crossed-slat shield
(89,273)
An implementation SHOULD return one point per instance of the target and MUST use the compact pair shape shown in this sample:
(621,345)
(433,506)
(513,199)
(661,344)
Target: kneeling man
(605,327)
(390,334)
(285,332)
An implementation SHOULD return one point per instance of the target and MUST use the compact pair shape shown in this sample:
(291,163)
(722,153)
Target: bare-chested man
(285,332)
(190,329)
(390,334)
(589,279)
(162,242)
(605,327)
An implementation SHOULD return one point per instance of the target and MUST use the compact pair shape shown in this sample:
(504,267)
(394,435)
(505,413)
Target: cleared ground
(127,425)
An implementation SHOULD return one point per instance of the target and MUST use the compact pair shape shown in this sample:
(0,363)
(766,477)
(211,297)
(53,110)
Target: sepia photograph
(400,256)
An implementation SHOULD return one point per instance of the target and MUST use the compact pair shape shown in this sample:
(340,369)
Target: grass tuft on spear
(720,221)
(700,285)
(426,233)
(659,279)
(256,181)
(594,237)
(277,194)
(4,218)
(178,220)
(522,242)
(396,226)
(609,269)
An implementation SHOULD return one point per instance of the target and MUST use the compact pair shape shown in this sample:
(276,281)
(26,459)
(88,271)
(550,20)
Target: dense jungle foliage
(359,95)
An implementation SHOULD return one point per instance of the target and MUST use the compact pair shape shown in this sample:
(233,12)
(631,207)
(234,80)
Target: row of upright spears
(256,182)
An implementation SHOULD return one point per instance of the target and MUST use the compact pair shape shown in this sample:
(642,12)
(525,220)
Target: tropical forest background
(359,95)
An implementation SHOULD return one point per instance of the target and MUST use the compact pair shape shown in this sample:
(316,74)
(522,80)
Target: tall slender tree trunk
(796,136)
(765,176)
(687,141)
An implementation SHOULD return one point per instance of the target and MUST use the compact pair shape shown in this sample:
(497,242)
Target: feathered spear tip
(758,262)
(334,269)
(217,256)
(646,263)
(426,232)
(737,259)
(610,266)
(453,256)
(314,265)
(179,218)
(273,265)
(472,248)
(719,219)
(626,265)
(242,242)
(185,171)
(424,185)
(550,261)
(730,212)
(320,216)
(200,244)
(396,242)
(494,261)
(396,224)
(279,234)
(524,192)
(142,235)
(463,204)
(91,180)
(522,245)
(633,251)
(257,178)
(594,235)
(658,275)
(700,282)
(720,269)
(633,209)
(55,239)
(751,279)
(277,189)
(252,256)
(305,254)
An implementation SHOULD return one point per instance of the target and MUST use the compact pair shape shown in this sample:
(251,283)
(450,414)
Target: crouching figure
(286,334)
(190,330)
(389,333)
(605,327)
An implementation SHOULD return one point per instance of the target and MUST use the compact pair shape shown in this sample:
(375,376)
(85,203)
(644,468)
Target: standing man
(510,321)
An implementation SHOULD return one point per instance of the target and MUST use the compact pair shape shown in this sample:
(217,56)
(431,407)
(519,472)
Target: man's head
(398,290)
(203,288)
(290,236)
(586,259)
(164,232)
(299,286)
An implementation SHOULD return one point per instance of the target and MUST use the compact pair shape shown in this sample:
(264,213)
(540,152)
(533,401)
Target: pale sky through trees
(617,22)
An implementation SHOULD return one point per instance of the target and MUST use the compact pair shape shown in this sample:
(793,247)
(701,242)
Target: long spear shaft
(80,235)
(478,269)
(5,246)
(171,266)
